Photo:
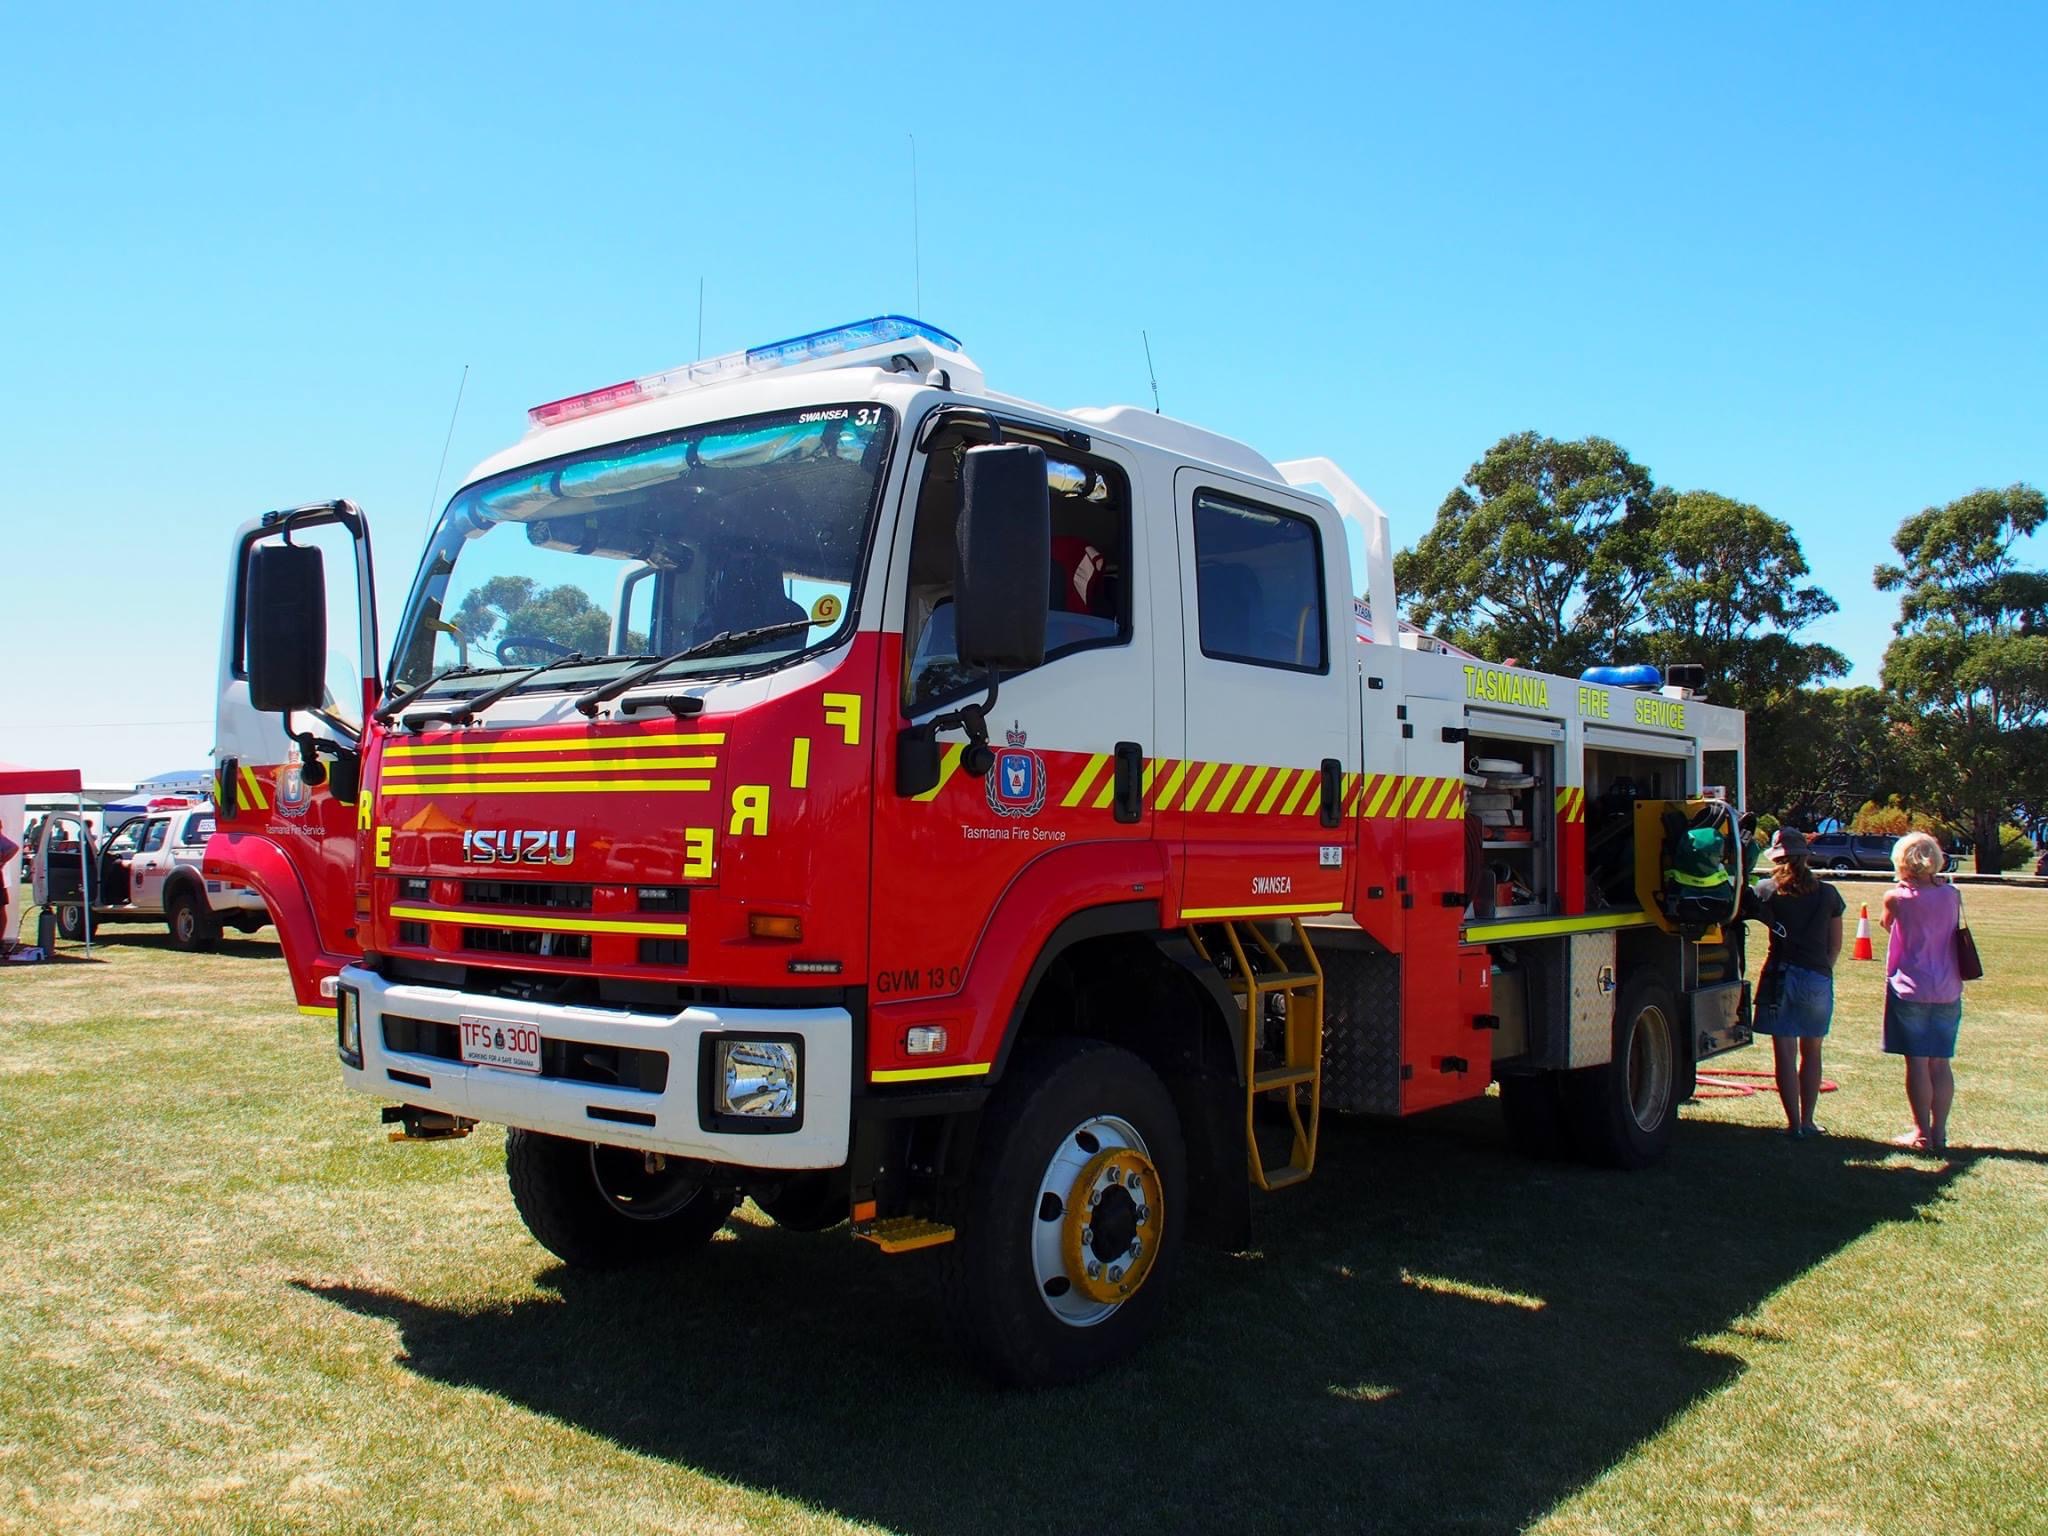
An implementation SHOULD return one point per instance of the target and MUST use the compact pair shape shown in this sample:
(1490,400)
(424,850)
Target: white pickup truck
(147,867)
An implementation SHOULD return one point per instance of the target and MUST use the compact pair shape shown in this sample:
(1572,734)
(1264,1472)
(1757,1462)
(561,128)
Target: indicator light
(925,1040)
(774,925)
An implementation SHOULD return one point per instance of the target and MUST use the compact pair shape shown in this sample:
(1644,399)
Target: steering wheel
(548,649)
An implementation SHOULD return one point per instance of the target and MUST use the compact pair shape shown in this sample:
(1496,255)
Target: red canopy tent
(45,781)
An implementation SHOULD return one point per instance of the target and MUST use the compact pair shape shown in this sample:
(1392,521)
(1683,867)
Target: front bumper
(674,1119)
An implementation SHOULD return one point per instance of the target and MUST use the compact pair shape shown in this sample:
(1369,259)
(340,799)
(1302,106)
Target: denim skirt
(1920,1029)
(1804,1003)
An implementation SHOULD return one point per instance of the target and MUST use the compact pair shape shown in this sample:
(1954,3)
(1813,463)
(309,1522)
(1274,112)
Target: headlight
(756,1078)
(348,1026)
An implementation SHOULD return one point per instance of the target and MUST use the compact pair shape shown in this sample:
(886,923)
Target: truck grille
(528,895)
(522,941)
(610,1066)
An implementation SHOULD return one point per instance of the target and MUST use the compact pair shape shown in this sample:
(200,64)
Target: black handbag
(1968,965)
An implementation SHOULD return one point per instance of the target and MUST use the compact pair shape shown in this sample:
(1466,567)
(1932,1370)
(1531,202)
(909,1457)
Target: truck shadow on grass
(1433,1335)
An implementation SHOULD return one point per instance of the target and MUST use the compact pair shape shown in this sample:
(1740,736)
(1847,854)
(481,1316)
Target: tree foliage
(1821,753)
(1969,661)
(515,608)
(1536,555)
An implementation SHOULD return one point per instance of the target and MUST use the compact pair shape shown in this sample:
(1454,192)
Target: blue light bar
(881,331)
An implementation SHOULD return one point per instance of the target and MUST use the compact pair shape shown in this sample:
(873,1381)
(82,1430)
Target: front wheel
(71,923)
(192,923)
(596,1207)
(1623,1113)
(1069,1234)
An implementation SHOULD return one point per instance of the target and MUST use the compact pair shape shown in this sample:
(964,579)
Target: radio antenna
(1152,372)
(916,240)
(434,501)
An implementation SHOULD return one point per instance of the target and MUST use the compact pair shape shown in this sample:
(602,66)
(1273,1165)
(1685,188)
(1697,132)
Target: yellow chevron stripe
(1302,786)
(1171,787)
(549,923)
(1075,795)
(254,785)
(949,764)
(615,742)
(1251,787)
(556,786)
(1443,795)
(1230,778)
(1282,777)
(1382,784)
(1192,800)
(579,765)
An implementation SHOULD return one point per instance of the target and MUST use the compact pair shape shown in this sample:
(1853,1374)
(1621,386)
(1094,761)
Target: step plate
(903,1234)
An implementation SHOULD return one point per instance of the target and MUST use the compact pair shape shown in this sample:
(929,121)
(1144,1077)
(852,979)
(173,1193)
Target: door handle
(1127,804)
(1333,792)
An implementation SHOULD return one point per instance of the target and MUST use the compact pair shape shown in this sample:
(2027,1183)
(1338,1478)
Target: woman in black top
(1796,995)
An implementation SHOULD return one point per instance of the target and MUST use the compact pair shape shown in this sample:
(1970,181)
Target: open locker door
(287,787)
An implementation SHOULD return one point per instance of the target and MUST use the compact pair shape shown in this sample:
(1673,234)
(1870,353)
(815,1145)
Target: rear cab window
(197,828)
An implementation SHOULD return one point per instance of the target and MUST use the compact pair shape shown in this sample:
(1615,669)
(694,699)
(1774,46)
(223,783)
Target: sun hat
(1787,843)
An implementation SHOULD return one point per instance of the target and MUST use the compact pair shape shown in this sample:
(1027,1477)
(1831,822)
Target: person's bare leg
(1941,1080)
(1809,1080)
(1785,1058)
(1919,1091)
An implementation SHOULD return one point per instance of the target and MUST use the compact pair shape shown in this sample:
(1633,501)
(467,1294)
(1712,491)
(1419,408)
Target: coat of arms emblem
(1016,787)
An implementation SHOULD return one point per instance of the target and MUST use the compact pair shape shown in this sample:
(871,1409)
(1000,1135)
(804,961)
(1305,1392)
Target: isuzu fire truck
(811,775)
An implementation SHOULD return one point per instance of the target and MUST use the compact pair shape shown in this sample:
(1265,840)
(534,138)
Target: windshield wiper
(724,641)
(466,710)
(461,669)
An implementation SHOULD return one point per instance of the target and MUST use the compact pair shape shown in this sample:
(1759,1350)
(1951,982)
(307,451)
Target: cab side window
(1259,585)
(127,839)
(153,838)
(197,829)
(1087,583)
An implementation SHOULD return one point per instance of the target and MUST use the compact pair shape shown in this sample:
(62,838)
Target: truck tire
(71,923)
(1069,1228)
(192,923)
(1534,1110)
(1622,1114)
(598,1207)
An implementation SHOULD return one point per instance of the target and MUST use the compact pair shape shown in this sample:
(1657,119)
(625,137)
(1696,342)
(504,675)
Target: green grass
(228,1304)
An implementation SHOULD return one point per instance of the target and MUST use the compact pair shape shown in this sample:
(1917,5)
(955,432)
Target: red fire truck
(811,775)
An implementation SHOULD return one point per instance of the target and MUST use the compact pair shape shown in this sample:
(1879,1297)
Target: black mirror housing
(1003,550)
(285,642)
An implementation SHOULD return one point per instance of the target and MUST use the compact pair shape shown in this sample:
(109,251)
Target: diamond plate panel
(1593,985)
(1361,1031)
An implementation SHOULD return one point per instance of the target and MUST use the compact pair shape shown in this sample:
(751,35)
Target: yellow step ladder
(1255,970)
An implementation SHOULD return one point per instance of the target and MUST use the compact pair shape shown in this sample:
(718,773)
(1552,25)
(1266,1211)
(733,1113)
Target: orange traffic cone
(1862,950)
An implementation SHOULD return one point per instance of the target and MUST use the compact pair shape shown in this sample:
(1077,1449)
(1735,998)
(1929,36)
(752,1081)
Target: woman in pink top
(1923,995)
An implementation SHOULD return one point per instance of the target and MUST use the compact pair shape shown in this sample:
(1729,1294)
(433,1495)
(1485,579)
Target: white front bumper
(561,1107)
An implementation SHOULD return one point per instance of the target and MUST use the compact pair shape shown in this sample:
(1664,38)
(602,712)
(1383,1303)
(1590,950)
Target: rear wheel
(1069,1234)
(193,925)
(71,922)
(1623,1113)
(597,1207)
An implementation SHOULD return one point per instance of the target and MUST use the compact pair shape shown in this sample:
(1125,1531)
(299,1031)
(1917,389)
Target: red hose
(1718,1084)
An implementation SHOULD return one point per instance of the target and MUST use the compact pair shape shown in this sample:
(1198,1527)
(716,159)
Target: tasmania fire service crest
(292,793)
(1017,785)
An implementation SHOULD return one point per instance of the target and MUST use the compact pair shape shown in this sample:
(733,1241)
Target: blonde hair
(1917,858)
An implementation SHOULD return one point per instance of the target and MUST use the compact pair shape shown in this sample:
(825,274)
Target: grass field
(227,1304)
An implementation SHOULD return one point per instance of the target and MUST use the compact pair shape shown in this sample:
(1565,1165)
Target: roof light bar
(881,331)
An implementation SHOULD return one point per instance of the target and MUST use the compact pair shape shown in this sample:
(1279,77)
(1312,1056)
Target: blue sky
(1793,256)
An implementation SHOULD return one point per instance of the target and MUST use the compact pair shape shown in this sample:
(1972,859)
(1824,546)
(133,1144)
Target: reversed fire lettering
(843,710)
(749,809)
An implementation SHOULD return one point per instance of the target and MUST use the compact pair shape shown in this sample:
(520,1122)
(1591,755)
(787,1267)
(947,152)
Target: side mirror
(286,635)
(1003,549)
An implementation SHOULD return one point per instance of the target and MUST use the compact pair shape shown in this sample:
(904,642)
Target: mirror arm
(977,759)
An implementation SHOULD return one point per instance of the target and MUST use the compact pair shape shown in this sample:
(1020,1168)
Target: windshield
(644,548)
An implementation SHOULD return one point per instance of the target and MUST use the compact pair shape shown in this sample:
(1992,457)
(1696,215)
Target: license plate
(498,1043)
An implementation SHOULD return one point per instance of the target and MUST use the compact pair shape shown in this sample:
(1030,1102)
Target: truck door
(117,857)
(288,830)
(972,873)
(1270,697)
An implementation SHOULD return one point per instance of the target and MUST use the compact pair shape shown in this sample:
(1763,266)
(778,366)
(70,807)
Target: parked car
(1841,850)
(149,867)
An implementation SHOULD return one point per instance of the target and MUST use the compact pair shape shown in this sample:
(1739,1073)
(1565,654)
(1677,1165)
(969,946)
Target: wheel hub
(1110,1230)
(1651,1070)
